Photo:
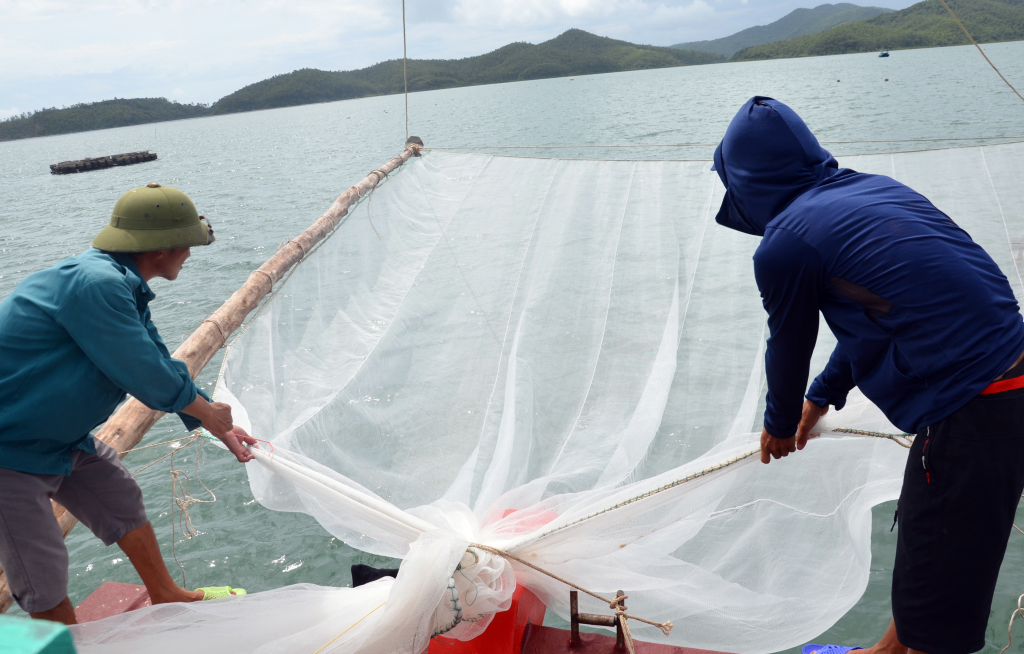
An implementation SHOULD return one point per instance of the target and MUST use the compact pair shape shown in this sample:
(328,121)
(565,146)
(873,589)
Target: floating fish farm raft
(82,165)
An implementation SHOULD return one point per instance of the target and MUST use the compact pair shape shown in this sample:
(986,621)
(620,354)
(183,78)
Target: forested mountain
(924,25)
(573,53)
(796,23)
(97,115)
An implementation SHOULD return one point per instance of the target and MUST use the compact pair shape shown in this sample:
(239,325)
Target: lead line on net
(904,439)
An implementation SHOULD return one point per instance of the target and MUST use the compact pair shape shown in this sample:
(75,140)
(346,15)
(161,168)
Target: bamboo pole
(129,424)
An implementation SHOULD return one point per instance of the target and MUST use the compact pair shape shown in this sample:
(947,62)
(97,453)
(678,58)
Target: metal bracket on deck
(577,618)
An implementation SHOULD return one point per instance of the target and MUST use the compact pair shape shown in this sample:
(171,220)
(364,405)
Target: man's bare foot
(177,594)
(889,644)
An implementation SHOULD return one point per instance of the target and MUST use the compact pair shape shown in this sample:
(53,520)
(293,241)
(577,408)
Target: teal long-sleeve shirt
(74,339)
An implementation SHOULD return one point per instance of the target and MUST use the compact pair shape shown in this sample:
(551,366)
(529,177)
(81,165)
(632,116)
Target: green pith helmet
(153,217)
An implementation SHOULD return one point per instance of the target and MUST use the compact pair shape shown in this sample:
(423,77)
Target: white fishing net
(562,360)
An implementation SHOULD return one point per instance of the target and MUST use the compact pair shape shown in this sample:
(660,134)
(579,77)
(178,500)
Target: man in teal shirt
(74,340)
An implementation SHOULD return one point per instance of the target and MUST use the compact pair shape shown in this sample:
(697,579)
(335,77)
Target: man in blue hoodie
(927,327)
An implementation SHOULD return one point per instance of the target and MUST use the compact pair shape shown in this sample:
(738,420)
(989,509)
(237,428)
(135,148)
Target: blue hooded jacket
(924,318)
(74,338)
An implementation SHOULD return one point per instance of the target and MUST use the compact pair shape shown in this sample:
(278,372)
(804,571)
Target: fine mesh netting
(562,360)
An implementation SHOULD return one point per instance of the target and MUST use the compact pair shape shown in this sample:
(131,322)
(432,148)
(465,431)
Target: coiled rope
(180,495)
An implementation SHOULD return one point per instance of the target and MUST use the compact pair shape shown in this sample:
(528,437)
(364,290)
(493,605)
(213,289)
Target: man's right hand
(811,415)
(777,448)
(216,419)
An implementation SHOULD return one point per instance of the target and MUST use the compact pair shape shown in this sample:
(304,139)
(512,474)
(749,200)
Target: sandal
(217,592)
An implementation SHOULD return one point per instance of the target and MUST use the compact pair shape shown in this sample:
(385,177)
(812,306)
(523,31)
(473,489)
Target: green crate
(27,636)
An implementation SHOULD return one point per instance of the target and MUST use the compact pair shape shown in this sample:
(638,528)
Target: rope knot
(619,603)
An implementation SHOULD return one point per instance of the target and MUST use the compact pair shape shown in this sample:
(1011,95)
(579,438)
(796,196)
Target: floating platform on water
(82,165)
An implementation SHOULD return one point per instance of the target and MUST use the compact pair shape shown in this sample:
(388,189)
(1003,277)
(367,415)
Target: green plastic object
(27,636)
(153,217)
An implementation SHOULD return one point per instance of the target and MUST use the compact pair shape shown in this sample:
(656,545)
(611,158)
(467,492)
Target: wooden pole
(129,424)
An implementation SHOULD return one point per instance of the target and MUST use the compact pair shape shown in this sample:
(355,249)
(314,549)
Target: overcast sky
(57,52)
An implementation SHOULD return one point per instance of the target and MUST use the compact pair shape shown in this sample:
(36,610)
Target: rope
(166,456)
(621,615)
(979,50)
(265,274)
(349,628)
(289,241)
(953,147)
(703,145)
(219,328)
(146,447)
(405,74)
(616,604)
(181,498)
(678,482)
(180,495)
(1009,630)
(904,439)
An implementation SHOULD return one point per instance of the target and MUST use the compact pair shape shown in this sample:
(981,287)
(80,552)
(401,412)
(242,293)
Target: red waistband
(1004,385)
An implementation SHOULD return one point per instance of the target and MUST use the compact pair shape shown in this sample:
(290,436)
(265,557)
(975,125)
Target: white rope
(705,145)
(405,74)
(1009,630)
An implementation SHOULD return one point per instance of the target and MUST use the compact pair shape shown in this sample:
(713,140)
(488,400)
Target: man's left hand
(775,448)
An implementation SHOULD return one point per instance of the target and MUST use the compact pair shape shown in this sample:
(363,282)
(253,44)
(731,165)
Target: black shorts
(961,487)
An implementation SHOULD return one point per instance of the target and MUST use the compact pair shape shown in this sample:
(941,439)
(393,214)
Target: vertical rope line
(976,46)
(1002,216)
(404,66)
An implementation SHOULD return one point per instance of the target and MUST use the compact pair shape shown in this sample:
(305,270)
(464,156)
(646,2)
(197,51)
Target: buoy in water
(886,79)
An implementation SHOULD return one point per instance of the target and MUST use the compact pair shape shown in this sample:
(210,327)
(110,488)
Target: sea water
(264,177)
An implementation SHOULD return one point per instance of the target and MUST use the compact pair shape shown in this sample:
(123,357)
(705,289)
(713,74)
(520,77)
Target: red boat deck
(112,598)
(538,639)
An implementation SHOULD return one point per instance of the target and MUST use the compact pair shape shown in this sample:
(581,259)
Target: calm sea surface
(263,177)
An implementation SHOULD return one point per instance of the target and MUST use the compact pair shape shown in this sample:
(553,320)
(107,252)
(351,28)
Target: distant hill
(97,115)
(796,23)
(924,25)
(573,53)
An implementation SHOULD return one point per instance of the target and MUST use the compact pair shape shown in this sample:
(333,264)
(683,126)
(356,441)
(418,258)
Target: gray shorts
(100,492)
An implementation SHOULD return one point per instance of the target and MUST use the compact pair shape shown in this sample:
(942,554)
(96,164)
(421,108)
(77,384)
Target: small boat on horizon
(883,53)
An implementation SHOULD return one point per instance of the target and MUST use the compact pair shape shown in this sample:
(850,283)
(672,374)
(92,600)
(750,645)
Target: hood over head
(766,160)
